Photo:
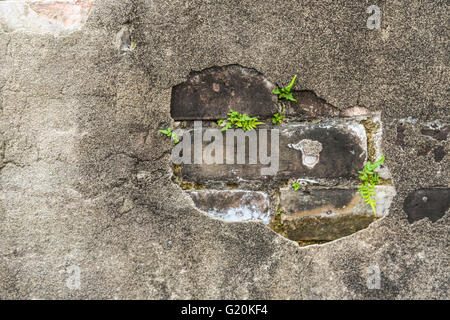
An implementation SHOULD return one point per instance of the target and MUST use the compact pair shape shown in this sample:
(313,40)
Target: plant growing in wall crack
(296,186)
(171,134)
(368,180)
(238,120)
(285,93)
(277,118)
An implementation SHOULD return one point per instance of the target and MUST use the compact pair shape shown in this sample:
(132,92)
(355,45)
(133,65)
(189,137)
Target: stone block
(328,214)
(211,93)
(233,205)
(332,149)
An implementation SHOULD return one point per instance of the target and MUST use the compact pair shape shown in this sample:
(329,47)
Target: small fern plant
(285,93)
(237,120)
(171,134)
(277,118)
(368,180)
(296,186)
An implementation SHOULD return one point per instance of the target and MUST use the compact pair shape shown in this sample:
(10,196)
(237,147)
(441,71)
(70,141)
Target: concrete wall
(88,206)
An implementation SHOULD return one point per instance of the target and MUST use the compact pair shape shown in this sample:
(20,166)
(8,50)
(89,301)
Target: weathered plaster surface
(85,175)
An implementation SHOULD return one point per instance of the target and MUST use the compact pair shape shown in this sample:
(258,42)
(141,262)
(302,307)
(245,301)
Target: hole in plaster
(319,147)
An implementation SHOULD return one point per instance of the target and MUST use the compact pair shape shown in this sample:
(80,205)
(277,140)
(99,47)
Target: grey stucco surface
(85,175)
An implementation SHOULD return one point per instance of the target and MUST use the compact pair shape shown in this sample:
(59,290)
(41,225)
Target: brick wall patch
(319,148)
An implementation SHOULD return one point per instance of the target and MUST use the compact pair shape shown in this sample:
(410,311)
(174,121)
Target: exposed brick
(211,93)
(427,203)
(328,214)
(233,205)
(343,149)
(342,153)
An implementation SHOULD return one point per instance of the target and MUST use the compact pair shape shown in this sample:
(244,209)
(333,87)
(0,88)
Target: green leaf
(285,93)
(369,180)
(290,97)
(296,186)
(242,121)
(289,87)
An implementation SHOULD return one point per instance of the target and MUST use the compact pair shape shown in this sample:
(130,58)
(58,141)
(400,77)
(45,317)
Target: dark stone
(427,203)
(341,155)
(331,201)
(211,93)
(439,153)
(310,106)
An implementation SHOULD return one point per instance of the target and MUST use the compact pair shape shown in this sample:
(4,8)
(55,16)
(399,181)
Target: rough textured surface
(323,228)
(85,176)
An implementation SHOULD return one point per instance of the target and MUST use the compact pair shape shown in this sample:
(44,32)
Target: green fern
(237,120)
(285,93)
(296,186)
(369,179)
(277,118)
(171,134)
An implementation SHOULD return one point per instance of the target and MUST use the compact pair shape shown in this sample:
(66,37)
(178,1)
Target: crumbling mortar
(371,128)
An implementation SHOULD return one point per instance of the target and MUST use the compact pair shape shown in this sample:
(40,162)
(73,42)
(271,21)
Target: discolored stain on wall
(427,203)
